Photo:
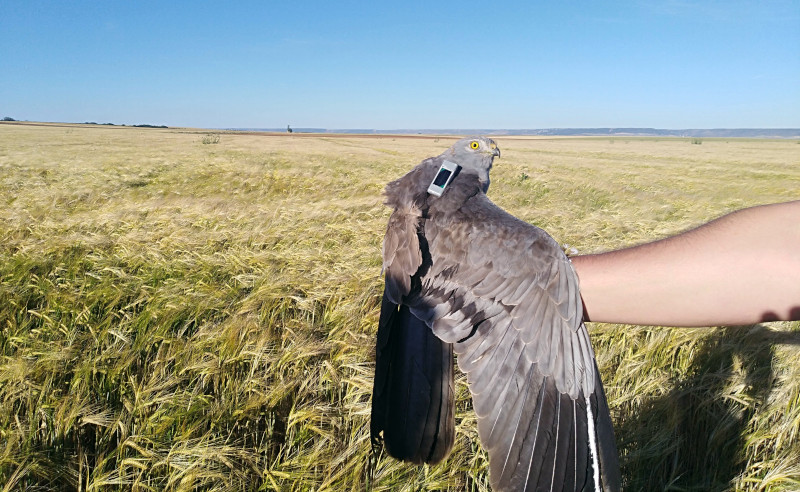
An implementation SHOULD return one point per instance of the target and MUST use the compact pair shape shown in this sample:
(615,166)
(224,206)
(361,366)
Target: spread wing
(505,295)
(413,403)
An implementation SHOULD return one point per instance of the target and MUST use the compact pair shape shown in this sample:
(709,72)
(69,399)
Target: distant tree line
(114,124)
(8,118)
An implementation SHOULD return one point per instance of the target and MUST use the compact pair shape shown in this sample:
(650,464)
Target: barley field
(193,310)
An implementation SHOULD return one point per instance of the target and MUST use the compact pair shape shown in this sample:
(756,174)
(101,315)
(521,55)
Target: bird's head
(475,156)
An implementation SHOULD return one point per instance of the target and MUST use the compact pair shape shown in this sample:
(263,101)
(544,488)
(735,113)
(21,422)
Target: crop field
(185,310)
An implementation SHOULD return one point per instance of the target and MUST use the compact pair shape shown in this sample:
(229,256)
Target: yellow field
(181,315)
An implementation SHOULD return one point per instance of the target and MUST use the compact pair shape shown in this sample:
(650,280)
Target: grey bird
(463,276)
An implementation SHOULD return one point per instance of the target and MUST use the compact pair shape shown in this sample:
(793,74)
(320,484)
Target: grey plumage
(465,277)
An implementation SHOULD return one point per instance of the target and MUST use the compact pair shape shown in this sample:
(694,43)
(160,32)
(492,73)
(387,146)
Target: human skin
(739,269)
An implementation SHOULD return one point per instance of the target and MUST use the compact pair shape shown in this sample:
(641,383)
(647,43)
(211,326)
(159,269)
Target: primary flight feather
(463,276)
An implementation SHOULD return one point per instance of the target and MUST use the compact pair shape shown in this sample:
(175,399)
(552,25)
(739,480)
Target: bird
(464,277)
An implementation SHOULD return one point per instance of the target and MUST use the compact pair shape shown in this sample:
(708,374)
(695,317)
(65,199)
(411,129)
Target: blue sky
(382,65)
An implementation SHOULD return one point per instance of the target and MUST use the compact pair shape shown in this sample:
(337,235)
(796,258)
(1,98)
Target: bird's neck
(463,187)
(410,191)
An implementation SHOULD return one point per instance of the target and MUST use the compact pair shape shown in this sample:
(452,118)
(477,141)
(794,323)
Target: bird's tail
(413,396)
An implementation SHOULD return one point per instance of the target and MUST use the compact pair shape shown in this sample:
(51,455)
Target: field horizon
(194,309)
(768,133)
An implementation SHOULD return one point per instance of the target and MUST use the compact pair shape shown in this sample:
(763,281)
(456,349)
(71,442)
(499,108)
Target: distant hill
(655,132)
(588,132)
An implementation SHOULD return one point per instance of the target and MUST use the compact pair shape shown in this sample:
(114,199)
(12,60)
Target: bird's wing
(413,392)
(506,296)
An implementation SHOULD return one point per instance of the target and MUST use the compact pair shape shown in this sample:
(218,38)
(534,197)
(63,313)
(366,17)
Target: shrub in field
(210,138)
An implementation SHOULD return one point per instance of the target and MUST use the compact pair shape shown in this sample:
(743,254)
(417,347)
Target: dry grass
(182,316)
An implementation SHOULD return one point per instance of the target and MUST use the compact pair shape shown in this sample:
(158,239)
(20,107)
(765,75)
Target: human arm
(742,268)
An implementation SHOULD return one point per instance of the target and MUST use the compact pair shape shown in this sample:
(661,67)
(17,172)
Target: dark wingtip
(413,409)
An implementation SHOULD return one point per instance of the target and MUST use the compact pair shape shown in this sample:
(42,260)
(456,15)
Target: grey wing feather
(401,253)
(518,332)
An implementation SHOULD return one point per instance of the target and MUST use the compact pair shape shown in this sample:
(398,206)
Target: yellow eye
(474,145)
